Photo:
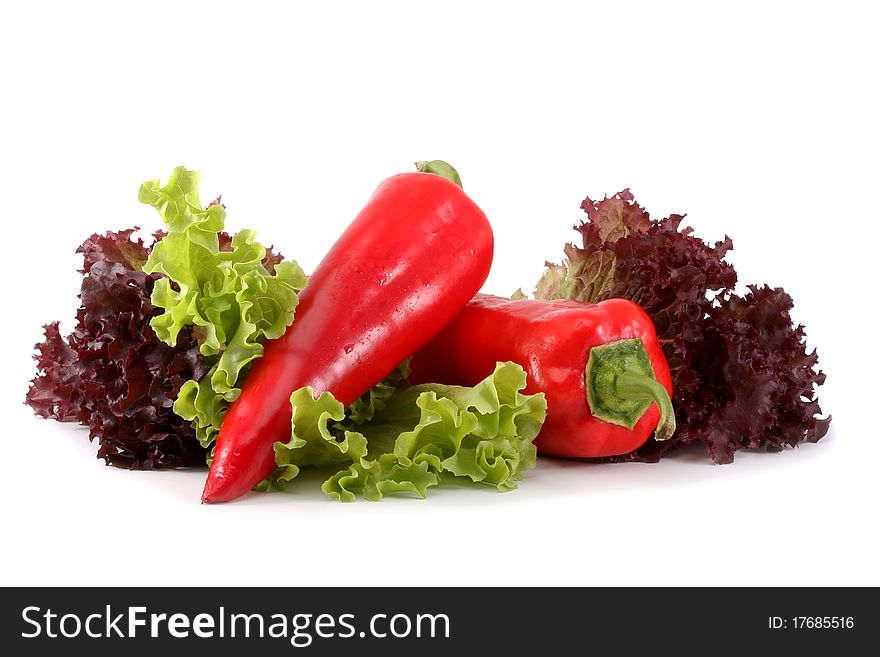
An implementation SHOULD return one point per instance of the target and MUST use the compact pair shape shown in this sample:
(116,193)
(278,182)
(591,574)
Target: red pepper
(410,260)
(600,366)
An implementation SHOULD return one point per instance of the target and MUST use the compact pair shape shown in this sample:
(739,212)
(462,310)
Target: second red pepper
(600,366)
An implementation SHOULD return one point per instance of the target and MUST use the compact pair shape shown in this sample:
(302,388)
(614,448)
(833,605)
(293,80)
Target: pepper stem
(440,168)
(641,387)
(621,386)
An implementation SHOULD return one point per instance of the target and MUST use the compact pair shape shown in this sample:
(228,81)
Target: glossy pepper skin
(553,341)
(410,260)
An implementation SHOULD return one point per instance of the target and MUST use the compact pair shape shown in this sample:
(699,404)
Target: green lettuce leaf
(415,436)
(312,442)
(367,405)
(234,302)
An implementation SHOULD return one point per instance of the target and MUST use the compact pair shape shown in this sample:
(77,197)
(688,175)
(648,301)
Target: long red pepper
(410,260)
(600,366)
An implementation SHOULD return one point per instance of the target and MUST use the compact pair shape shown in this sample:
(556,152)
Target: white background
(760,121)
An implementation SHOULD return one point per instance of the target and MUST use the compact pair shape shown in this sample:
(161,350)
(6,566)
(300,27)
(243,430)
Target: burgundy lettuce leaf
(771,379)
(111,373)
(114,248)
(56,392)
(616,216)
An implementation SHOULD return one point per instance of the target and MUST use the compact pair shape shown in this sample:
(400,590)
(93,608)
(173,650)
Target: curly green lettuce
(224,290)
(374,400)
(415,436)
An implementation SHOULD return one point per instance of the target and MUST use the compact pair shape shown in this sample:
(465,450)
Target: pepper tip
(209,494)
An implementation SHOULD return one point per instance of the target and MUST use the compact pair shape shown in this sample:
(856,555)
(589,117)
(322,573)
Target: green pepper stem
(629,385)
(440,168)
(621,385)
